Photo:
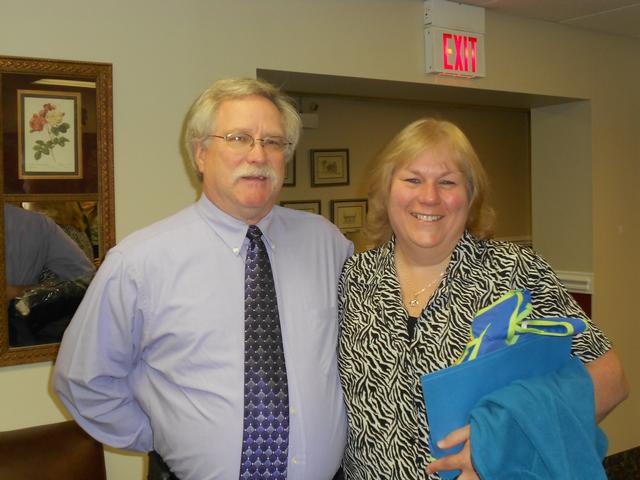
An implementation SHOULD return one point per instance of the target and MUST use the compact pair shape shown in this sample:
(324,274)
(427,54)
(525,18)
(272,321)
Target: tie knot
(254,232)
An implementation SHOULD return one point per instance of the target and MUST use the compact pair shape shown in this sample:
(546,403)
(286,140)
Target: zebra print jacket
(380,366)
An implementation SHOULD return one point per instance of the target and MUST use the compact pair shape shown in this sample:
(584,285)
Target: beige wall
(562,185)
(165,52)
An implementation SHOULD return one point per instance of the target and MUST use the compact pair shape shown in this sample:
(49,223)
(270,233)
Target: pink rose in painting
(50,121)
(37,123)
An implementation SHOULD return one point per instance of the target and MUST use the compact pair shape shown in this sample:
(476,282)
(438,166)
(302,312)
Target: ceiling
(620,17)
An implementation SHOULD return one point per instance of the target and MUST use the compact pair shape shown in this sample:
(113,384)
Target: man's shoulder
(291,214)
(306,233)
(20,217)
(297,222)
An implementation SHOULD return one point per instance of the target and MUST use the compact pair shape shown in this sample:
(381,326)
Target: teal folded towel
(540,428)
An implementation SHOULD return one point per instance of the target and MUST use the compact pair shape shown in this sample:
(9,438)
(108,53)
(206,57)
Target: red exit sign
(454,52)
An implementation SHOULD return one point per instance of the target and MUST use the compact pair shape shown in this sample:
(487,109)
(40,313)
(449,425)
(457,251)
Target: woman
(406,306)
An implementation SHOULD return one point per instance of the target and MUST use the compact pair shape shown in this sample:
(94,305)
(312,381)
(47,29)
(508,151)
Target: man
(155,356)
(46,276)
(33,243)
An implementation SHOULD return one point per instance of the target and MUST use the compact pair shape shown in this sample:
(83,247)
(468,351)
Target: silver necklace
(414,301)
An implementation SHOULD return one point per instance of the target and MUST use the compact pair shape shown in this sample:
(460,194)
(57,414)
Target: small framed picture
(329,167)
(349,215)
(49,136)
(290,172)
(311,206)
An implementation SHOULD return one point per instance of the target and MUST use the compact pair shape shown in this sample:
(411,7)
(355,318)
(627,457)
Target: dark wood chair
(623,465)
(51,452)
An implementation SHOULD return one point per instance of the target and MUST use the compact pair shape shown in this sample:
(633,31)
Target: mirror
(56,183)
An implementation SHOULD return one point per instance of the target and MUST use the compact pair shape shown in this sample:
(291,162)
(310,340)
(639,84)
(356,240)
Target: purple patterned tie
(266,396)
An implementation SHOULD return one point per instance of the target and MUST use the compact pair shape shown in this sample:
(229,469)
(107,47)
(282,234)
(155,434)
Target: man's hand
(457,461)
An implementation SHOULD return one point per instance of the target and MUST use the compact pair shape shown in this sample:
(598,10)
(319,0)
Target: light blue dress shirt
(34,242)
(153,358)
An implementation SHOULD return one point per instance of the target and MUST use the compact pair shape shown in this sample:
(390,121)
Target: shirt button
(235,250)
(294,460)
(293,410)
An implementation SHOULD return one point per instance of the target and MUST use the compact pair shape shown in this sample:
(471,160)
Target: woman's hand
(457,461)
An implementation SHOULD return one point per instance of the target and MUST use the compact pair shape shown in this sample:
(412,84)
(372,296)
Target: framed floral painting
(49,136)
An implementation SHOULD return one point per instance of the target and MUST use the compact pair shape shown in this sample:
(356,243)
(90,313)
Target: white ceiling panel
(619,17)
(621,22)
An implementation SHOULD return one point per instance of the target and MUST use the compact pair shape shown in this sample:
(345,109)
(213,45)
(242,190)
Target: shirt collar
(459,255)
(232,231)
(463,246)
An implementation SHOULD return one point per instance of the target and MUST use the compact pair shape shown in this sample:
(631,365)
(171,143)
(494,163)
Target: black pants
(158,470)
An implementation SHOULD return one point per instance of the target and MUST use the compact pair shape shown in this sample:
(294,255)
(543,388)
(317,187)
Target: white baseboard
(576,282)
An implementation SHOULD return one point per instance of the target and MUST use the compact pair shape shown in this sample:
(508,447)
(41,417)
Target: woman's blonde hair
(413,140)
(61,212)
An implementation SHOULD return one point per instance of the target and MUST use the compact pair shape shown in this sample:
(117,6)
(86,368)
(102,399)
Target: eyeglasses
(244,143)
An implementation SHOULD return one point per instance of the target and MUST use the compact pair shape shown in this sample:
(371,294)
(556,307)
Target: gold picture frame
(349,215)
(49,134)
(329,167)
(82,93)
(290,172)
(311,206)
